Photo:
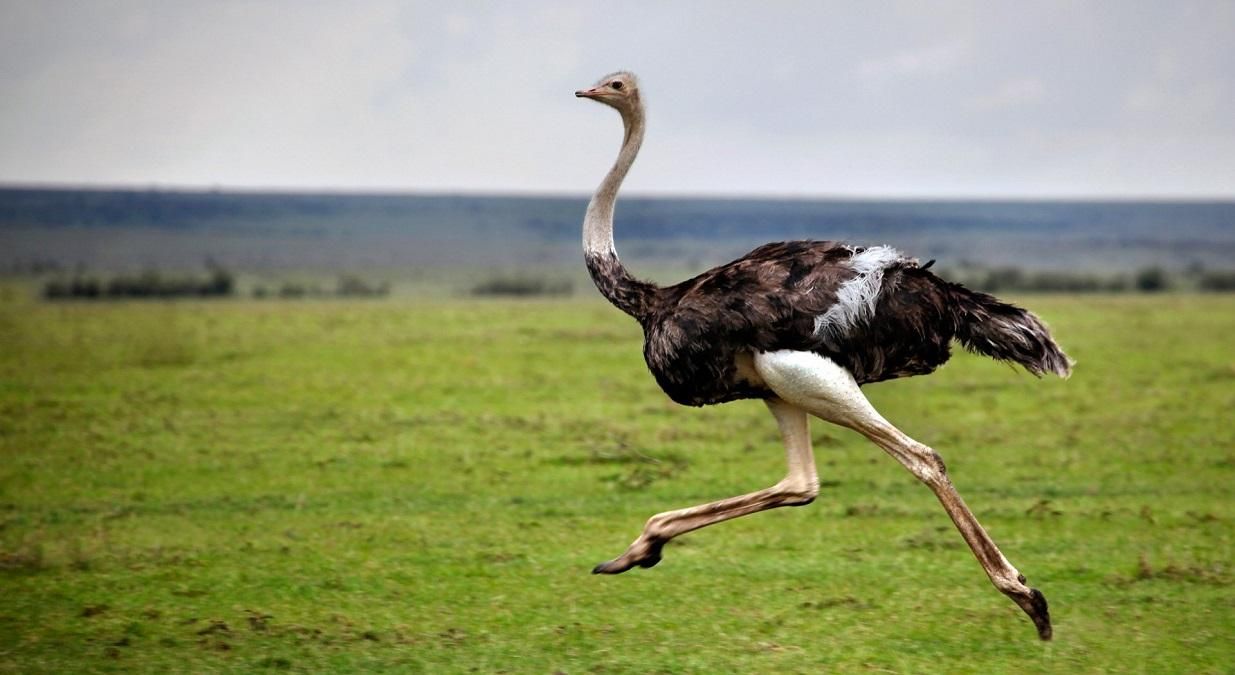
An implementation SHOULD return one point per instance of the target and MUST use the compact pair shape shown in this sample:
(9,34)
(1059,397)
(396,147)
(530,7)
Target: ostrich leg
(799,487)
(828,391)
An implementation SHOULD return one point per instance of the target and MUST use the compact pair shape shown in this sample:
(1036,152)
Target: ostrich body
(800,325)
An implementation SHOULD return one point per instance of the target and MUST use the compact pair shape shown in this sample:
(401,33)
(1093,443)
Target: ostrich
(801,325)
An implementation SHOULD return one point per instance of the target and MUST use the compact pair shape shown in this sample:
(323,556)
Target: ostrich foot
(642,553)
(1034,604)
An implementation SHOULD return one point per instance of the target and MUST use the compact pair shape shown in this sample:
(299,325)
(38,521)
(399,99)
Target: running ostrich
(801,325)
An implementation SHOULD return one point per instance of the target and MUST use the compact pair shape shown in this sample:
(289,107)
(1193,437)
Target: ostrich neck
(598,223)
(636,298)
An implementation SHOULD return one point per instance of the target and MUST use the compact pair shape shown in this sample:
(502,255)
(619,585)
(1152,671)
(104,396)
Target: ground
(423,486)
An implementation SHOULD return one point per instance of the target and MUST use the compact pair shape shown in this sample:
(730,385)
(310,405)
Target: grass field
(425,486)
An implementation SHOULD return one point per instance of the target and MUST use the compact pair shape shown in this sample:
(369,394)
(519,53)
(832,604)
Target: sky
(819,98)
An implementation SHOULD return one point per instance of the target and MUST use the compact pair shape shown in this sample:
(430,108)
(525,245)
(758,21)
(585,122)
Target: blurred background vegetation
(111,244)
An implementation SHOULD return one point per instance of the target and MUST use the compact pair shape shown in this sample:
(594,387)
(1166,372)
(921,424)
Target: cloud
(1013,93)
(929,61)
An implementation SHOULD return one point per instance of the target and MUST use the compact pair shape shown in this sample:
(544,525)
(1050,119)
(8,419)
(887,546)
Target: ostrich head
(619,90)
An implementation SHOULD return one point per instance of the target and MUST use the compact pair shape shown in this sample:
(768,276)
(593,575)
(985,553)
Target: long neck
(611,278)
(598,223)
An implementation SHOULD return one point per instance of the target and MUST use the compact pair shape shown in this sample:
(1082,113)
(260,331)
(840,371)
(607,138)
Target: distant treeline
(348,286)
(149,284)
(220,283)
(217,283)
(1145,280)
(522,285)
(991,280)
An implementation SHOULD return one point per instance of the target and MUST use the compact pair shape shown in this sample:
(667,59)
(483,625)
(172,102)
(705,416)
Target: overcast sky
(1025,98)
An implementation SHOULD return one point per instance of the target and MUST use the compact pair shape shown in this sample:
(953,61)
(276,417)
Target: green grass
(424,487)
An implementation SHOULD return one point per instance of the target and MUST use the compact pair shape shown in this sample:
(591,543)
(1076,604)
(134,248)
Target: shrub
(353,286)
(1003,279)
(522,286)
(148,284)
(1217,281)
(1151,280)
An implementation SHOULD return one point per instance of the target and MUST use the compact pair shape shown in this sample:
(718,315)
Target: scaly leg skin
(828,391)
(799,487)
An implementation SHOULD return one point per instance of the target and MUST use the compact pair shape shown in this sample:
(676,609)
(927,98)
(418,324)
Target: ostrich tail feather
(1002,331)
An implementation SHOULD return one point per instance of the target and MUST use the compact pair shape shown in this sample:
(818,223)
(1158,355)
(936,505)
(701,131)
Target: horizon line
(191,188)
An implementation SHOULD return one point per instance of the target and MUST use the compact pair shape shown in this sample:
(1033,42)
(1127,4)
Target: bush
(1217,281)
(291,290)
(350,286)
(522,286)
(148,284)
(1151,280)
(1002,279)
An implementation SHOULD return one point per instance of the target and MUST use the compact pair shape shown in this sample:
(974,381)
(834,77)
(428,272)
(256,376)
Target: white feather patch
(856,298)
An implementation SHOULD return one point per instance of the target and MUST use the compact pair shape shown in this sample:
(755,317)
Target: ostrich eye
(615,85)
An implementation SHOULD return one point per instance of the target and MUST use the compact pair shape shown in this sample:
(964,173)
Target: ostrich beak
(588,93)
